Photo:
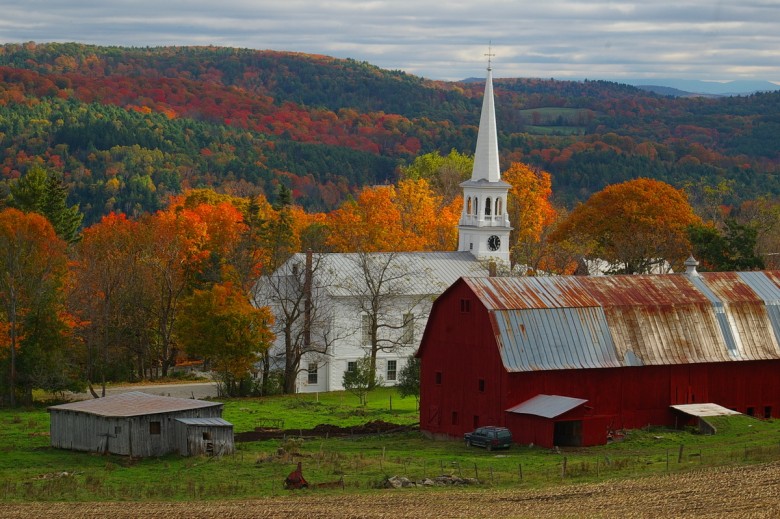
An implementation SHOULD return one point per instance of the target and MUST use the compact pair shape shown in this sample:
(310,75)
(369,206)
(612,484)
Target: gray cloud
(601,39)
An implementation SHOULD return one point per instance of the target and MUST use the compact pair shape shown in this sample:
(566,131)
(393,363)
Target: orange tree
(530,212)
(635,226)
(33,266)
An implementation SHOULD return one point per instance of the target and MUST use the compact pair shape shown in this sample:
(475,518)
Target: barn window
(438,378)
(207,436)
(751,411)
(391,369)
(154,428)
(476,421)
(465,305)
(768,411)
(482,385)
(454,418)
(312,373)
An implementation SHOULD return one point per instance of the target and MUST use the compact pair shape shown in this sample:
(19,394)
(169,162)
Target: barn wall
(462,356)
(124,435)
(190,441)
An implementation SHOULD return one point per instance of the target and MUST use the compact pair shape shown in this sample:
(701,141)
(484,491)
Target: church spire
(486,156)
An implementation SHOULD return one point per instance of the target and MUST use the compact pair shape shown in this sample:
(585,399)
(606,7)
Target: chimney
(690,266)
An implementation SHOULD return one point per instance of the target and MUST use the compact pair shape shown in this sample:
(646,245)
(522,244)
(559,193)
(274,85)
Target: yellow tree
(637,226)
(530,212)
(222,327)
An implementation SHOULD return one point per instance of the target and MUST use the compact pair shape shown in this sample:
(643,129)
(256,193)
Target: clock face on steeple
(494,243)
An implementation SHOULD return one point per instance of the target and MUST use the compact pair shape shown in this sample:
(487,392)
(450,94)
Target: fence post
(598,472)
(563,468)
(679,456)
(520,471)
(476,473)
(667,460)
(491,474)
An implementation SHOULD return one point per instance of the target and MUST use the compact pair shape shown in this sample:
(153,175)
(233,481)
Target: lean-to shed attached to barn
(140,424)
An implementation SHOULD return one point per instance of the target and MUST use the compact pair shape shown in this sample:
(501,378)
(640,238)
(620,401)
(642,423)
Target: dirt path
(743,492)
(188,390)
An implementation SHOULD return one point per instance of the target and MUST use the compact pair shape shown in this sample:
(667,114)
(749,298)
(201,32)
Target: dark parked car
(490,438)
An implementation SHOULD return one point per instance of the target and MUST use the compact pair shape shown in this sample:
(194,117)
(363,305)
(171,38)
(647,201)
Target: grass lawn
(30,470)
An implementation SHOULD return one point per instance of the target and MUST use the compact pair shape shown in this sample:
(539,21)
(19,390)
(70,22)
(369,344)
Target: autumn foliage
(636,226)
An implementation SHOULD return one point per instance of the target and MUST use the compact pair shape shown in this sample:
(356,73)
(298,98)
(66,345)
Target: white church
(332,309)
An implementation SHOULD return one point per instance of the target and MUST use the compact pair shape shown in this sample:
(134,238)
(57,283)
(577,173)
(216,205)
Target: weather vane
(490,54)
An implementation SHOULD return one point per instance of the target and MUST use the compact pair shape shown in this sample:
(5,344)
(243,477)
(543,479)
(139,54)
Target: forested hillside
(127,127)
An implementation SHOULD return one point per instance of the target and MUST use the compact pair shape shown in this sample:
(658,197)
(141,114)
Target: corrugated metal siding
(745,313)
(578,322)
(556,338)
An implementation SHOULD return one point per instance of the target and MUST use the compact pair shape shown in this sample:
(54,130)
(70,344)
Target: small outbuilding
(140,424)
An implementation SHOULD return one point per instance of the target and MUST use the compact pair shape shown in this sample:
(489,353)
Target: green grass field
(30,470)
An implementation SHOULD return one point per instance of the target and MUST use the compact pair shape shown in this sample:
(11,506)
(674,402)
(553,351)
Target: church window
(487,207)
(476,206)
(498,207)
(366,328)
(408,329)
(312,378)
(468,206)
(392,367)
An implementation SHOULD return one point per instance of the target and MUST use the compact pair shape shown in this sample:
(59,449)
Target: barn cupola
(690,266)
(484,223)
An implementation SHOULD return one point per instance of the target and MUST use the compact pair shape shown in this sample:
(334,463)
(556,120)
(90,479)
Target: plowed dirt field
(743,492)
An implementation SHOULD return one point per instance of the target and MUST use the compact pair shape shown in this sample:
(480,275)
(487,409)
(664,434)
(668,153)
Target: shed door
(568,433)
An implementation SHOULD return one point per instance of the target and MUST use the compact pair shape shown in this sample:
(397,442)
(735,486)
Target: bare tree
(303,320)
(389,293)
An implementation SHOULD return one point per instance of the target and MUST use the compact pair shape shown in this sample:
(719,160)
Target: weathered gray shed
(134,424)
(198,436)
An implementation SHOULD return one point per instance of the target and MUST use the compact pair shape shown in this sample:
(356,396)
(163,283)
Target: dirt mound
(323,431)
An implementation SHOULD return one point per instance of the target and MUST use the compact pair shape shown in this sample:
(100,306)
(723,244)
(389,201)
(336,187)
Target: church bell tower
(484,226)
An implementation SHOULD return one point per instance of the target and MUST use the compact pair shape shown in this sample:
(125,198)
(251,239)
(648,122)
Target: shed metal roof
(133,403)
(572,322)
(704,409)
(211,422)
(547,406)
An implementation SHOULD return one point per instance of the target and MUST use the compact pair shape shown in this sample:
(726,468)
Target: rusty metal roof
(573,322)
(547,406)
(133,403)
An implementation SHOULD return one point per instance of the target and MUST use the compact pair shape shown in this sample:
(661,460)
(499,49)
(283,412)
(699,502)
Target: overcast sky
(442,39)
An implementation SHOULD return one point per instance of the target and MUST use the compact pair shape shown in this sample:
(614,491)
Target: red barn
(568,360)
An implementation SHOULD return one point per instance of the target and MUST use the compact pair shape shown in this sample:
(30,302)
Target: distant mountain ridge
(128,127)
(695,86)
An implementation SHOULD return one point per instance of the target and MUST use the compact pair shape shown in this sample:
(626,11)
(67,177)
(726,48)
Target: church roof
(413,273)
(486,165)
(571,322)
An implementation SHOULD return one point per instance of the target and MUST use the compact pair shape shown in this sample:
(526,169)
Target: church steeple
(486,156)
(484,223)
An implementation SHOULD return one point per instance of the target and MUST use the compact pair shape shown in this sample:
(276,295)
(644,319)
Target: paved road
(190,390)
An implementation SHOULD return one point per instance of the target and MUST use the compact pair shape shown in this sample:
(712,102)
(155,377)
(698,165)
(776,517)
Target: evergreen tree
(42,191)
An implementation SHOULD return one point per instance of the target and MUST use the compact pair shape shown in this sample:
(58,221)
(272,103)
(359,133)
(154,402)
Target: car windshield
(504,434)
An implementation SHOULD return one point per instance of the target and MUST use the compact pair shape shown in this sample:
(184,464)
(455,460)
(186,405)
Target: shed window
(312,373)
(154,428)
(207,435)
(438,378)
